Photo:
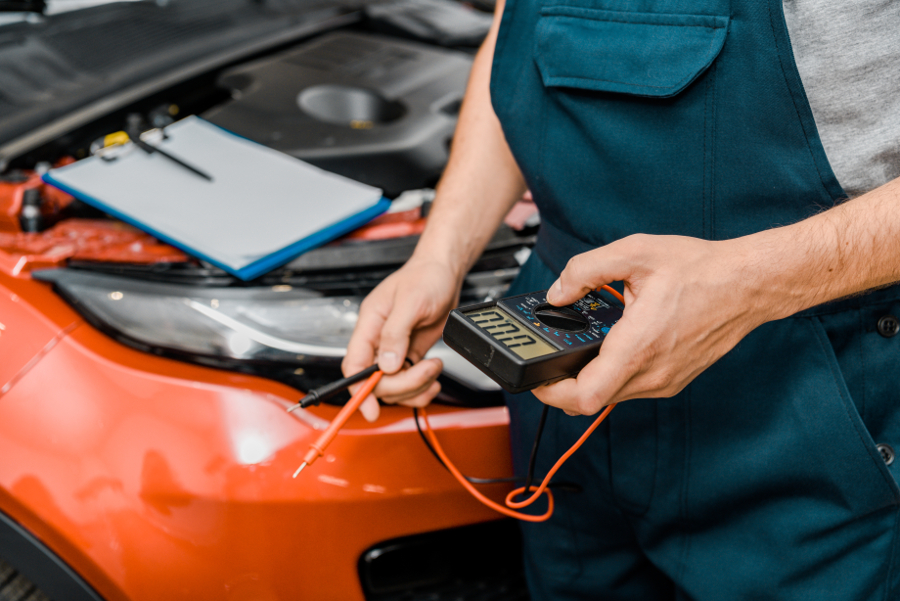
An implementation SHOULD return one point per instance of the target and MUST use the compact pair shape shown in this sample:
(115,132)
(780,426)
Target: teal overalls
(763,478)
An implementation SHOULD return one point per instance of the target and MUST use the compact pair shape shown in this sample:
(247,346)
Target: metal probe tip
(300,469)
(312,398)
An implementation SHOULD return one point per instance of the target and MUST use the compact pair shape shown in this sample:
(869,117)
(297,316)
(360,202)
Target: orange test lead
(317,449)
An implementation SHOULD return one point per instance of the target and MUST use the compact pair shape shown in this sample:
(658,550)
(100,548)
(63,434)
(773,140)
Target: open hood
(63,71)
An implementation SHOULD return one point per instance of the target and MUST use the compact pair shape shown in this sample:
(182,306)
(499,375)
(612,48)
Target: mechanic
(671,146)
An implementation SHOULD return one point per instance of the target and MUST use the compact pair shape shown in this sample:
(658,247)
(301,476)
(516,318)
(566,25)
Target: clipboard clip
(111,153)
(137,138)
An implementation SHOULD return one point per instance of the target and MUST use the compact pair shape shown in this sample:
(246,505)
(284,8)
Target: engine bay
(349,97)
(375,109)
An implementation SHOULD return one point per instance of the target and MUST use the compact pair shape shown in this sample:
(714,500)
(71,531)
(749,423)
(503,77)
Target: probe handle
(317,449)
(323,393)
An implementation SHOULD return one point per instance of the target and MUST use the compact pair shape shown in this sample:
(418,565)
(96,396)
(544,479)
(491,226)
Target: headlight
(276,325)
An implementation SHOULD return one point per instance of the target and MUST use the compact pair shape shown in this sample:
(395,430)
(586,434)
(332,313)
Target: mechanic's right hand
(403,317)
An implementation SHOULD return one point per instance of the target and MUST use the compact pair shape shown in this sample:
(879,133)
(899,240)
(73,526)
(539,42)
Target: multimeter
(522,342)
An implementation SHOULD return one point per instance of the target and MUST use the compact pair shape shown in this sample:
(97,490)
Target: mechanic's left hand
(687,303)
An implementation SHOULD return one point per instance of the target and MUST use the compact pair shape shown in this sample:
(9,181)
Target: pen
(150,149)
(133,130)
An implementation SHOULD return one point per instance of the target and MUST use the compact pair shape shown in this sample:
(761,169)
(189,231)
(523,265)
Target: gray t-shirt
(848,55)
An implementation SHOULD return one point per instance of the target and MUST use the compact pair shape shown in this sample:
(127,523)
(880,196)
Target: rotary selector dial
(581,323)
(561,318)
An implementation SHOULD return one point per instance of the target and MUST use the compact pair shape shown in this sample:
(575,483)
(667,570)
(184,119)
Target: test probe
(317,449)
(329,391)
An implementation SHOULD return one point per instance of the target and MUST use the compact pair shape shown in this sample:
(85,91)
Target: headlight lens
(277,325)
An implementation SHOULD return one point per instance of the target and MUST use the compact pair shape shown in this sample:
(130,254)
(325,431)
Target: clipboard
(259,210)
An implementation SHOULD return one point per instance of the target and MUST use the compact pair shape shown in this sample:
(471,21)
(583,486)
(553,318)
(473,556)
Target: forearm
(482,180)
(846,250)
(690,301)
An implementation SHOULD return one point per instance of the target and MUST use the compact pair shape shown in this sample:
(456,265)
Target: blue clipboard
(260,209)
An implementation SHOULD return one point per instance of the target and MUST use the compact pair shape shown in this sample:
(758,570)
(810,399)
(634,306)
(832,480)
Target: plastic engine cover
(379,110)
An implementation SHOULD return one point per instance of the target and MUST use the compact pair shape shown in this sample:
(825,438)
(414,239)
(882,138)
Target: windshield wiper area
(23,6)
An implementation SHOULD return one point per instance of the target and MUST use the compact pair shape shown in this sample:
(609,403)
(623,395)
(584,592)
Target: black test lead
(328,391)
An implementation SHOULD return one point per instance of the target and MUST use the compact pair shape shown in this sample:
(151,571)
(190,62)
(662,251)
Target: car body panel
(155,479)
(27,333)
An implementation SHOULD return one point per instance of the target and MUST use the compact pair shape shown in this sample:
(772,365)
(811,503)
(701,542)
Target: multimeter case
(511,372)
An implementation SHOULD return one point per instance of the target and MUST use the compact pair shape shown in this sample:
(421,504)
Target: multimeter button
(561,318)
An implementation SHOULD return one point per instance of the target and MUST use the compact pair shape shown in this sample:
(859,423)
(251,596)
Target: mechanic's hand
(687,303)
(403,317)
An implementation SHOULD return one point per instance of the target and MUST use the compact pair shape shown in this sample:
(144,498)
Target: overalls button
(887,453)
(888,326)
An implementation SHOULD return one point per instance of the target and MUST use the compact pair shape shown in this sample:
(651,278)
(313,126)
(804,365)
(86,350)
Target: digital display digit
(505,330)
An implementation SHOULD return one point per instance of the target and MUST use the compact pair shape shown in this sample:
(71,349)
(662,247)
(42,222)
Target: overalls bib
(764,478)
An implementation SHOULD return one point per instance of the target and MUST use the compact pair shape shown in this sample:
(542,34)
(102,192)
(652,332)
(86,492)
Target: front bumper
(156,479)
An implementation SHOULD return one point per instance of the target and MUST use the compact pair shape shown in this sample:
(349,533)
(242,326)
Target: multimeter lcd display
(503,329)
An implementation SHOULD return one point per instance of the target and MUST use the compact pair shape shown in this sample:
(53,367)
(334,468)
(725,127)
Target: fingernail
(388,362)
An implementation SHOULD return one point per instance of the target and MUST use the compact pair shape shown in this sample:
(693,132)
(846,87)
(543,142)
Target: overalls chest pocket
(628,118)
(644,54)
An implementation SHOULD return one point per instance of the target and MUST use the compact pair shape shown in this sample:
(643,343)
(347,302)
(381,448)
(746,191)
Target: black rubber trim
(29,6)
(40,565)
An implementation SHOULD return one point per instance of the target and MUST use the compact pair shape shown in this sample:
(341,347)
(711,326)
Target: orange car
(146,450)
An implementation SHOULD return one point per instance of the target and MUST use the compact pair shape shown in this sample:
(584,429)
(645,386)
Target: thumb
(588,271)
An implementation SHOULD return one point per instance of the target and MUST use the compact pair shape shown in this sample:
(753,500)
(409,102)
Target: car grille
(482,562)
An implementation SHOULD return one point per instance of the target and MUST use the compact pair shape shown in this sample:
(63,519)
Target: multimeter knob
(561,318)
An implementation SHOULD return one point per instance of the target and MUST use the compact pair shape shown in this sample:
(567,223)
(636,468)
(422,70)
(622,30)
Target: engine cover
(378,110)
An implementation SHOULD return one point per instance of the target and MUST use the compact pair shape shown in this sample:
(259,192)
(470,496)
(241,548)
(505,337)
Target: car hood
(64,70)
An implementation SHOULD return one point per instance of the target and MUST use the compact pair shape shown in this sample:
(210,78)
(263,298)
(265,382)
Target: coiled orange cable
(510,504)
